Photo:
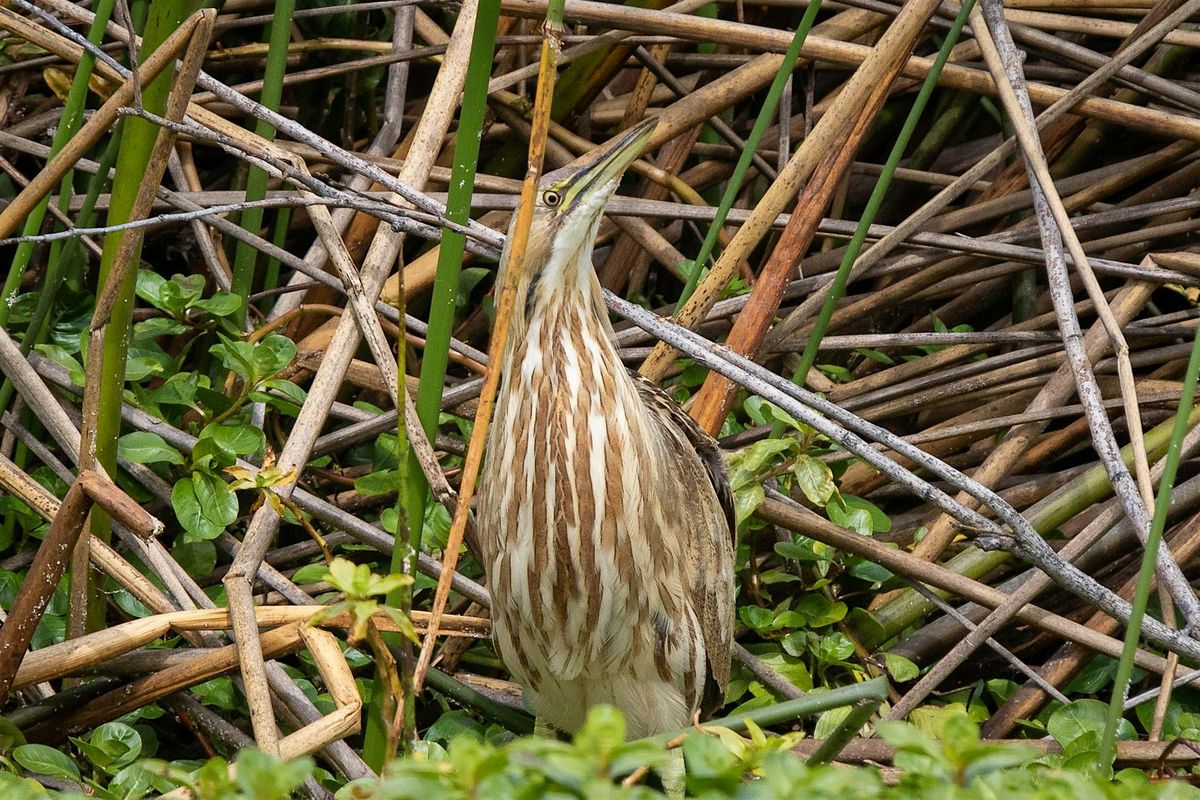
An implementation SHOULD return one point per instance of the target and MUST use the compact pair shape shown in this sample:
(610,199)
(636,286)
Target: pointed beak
(607,165)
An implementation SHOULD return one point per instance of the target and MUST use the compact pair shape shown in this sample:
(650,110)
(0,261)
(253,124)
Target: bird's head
(569,205)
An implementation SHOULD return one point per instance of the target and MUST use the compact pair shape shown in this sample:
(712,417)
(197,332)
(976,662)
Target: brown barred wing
(709,562)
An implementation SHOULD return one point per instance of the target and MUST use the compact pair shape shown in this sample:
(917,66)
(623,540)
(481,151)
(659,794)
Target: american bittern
(604,517)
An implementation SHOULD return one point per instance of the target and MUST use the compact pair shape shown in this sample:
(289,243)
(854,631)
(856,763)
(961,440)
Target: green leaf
(814,478)
(152,288)
(198,558)
(144,447)
(757,618)
(42,760)
(272,354)
(309,573)
(221,304)
(857,514)
(111,746)
(10,735)
(262,777)
(760,454)
(900,668)
(1080,718)
(204,505)
(13,787)
(235,439)
(1094,676)
(236,356)
(131,783)
(284,395)
(603,731)
(60,356)
(217,500)
(348,577)
(177,390)
(874,355)
(378,483)
(220,693)
(747,500)
(829,720)
(786,665)
(158,326)
(453,724)
(834,648)
(767,413)
(185,290)
(820,611)
(855,519)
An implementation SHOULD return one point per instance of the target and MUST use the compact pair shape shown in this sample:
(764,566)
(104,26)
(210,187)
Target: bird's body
(603,513)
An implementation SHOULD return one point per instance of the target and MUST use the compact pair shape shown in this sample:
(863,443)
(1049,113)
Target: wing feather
(709,578)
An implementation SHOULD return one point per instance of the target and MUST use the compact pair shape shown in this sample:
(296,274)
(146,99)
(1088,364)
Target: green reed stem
(69,124)
(838,287)
(245,256)
(765,116)
(133,163)
(414,491)
(1141,593)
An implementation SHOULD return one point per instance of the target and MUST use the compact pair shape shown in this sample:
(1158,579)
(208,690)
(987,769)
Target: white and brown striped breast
(603,535)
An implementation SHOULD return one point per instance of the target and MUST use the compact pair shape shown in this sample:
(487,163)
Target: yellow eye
(551,198)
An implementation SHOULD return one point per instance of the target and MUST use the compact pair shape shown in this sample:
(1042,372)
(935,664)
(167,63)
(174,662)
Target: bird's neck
(563,295)
(560,310)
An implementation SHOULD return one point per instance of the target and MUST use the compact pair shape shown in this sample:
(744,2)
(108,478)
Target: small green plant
(364,597)
(598,764)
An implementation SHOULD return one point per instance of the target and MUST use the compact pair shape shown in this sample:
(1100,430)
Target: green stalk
(283,219)
(404,458)
(61,263)
(838,287)
(137,142)
(515,721)
(765,115)
(415,490)
(69,124)
(1141,593)
(873,692)
(246,256)
(1083,491)
(859,715)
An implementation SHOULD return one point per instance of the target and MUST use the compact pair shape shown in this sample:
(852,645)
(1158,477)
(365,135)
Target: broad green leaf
(60,356)
(43,760)
(1081,717)
(221,304)
(158,326)
(814,479)
(144,447)
(378,483)
(235,439)
(820,611)
(217,500)
(111,746)
(236,356)
(262,777)
(900,668)
(272,354)
(198,558)
(152,288)
(199,506)
(747,500)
